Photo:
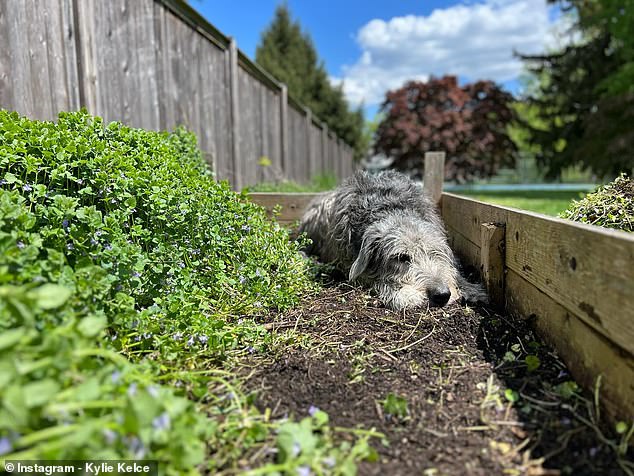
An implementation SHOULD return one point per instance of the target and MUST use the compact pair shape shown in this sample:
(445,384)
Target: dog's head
(408,261)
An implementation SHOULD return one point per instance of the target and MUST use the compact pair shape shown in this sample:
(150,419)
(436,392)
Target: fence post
(284,159)
(238,174)
(434,175)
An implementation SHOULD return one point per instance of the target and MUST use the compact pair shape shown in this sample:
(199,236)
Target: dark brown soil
(458,368)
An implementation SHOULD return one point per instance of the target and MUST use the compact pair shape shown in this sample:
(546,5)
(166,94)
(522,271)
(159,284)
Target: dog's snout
(439,296)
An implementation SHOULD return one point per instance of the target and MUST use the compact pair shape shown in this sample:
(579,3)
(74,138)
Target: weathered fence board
(157,64)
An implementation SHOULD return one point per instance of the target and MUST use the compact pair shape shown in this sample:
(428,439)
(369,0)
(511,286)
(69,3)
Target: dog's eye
(404,258)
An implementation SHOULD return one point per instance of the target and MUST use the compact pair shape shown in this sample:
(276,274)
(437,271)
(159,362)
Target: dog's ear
(368,243)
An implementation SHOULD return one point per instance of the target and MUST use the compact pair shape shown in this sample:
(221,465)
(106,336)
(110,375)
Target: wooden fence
(575,282)
(157,64)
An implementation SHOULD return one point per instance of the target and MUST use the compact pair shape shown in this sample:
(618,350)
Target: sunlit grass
(548,202)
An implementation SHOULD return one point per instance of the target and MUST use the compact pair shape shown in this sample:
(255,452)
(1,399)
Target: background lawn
(548,202)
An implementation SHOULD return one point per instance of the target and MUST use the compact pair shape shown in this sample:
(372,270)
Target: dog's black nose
(439,296)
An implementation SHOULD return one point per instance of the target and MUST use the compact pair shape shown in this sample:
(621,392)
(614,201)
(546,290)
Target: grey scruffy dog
(381,231)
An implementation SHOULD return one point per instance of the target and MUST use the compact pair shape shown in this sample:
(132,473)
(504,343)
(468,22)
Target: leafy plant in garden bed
(125,267)
(610,206)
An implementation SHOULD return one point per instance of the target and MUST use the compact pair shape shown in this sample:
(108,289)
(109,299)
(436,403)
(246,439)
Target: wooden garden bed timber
(575,281)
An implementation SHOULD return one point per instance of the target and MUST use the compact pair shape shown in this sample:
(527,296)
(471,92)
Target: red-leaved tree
(469,123)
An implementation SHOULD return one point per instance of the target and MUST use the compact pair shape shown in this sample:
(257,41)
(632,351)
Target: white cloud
(472,40)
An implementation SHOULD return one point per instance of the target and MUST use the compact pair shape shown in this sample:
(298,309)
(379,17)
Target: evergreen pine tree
(290,56)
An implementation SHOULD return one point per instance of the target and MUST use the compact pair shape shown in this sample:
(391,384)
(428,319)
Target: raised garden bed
(484,395)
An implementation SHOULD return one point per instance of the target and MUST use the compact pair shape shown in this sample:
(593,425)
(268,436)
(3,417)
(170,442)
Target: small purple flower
(93,241)
(137,338)
(330,461)
(297,448)
(113,337)
(593,451)
(109,435)
(246,228)
(153,391)
(258,273)
(80,181)
(242,279)
(115,376)
(5,446)
(132,389)
(136,447)
(147,335)
(3,182)
(181,264)
(65,224)
(27,188)
(136,274)
(70,246)
(108,247)
(303,471)
(177,336)
(203,339)
(98,233)
(250,349)
(191,341)
(161,422)
(20,244)
(312,410)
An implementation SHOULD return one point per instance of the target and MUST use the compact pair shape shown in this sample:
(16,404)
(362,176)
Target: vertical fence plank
(284,128)
(235,120)
(434,175)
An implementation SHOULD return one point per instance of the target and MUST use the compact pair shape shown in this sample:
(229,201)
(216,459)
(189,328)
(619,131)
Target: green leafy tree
(289,55)
(584,101)
(616,19)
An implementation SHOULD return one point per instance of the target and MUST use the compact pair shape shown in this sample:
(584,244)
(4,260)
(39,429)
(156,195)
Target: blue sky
(375,45)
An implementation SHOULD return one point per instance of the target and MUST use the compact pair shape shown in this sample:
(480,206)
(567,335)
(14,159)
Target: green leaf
(621,427)
(395,405)
(321,418)
(532,362)
(50,296)
(40,392)
(511,395)
(566,389)
(11,337)
(10,178)
(92,325)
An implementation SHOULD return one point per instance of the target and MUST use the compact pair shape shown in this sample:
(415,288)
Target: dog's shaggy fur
(381,231)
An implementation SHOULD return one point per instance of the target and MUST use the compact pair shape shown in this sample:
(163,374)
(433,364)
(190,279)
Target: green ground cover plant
(610,206)
(319,183)
(129,280)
